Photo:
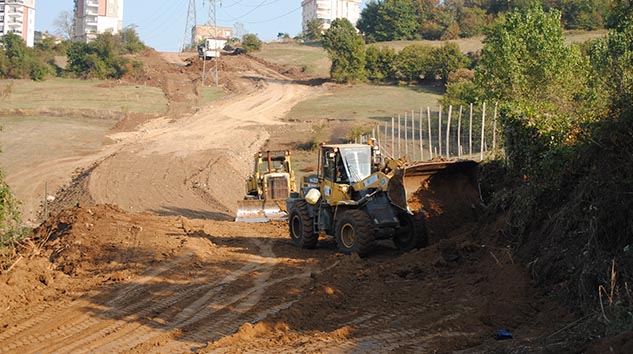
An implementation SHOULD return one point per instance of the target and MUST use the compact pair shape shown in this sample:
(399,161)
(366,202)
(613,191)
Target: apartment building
(329,10)
(93,17)
(18,16)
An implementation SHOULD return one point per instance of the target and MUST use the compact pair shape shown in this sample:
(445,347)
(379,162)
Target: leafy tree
(283,36)
(390,20)
(472,21)
(251,43)
(368,21)
(380,63)
(542,82)
(21,62)
(346,49)
(612,59)
(413,62)
(314,29)
(447,59)
(130,41)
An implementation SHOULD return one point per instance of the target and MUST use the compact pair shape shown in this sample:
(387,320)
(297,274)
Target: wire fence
(449,132)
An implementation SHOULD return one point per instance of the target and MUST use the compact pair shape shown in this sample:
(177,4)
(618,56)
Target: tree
(368,21)
(251,43)
(413,62)
(130,41)
(283,36)
(541,82)
(380,63)
(389,20)
(346,49)
(314,29)
(64,25)
(447,59)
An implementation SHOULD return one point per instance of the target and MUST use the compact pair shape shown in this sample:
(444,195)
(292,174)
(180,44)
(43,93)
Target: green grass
(366,102)
(209,94)
(310,56)
(474,44)
(73,94)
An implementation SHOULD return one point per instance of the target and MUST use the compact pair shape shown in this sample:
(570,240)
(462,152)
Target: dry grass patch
(365,102)
(311,56)
(72,94)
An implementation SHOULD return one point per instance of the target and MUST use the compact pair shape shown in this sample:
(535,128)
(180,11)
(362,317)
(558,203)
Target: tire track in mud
(137,323)
(72,319)
(390,339)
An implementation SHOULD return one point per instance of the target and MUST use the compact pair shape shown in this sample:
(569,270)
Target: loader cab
(340,167)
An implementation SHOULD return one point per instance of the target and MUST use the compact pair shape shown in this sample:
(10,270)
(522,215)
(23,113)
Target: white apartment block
(18,16)
(329,10)
(93,17)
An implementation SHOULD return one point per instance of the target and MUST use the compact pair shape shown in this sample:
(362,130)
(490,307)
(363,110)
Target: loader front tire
(302,226)
(354,233)
(412,232)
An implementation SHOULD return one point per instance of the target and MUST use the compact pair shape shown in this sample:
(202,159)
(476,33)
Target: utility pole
(191,23)
(213,18)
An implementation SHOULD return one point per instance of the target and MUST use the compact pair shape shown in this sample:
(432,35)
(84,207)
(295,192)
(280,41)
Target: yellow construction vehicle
(358,197)
(267,188)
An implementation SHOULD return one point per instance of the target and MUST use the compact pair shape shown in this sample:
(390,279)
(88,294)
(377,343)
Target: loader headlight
(344,188)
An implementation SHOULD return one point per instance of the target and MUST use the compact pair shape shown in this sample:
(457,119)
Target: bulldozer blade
(446,192)
(261,210)
(416,175)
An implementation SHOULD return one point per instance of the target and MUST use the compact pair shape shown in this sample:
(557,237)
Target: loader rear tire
(354,233)
(412,233)
(302,226)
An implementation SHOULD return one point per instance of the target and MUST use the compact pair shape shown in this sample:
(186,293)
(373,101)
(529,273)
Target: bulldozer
(267,188)
(358,198)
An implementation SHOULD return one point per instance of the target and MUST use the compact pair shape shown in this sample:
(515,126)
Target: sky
(161,23)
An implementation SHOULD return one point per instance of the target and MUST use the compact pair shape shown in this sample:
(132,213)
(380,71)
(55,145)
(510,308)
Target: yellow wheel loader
(359,198)
(267,188)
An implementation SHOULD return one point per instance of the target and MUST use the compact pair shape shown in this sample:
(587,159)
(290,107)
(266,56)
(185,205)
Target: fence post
(439,132)
(428,115)
(459,133)
(448,132)
(393,141)
(483,129)
(406,137)
(399,138)
(494,129)
(470,134)
(421,150)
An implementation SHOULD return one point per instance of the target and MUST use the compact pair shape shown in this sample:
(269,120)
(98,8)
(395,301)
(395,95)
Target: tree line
(354,61)
(388,20)
(103,58)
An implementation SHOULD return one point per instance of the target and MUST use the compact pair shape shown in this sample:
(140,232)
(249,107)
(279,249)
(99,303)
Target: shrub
(251,43)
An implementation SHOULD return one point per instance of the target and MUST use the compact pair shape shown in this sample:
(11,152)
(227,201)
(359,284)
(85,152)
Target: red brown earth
(150,262)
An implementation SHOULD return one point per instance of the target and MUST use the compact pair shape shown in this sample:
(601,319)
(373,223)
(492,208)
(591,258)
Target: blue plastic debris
(502,334)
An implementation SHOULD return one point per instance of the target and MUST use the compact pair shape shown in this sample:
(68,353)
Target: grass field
(72,94)
(311,57)
(366,102)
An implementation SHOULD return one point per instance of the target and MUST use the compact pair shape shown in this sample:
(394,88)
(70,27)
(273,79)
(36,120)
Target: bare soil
(140,254)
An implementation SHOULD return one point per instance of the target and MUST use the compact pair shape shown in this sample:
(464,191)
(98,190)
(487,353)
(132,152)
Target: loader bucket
(446,192)
(261,210)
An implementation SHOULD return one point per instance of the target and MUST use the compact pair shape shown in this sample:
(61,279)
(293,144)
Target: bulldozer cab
(272,162)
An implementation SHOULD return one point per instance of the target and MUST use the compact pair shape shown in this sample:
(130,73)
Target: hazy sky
(161,23)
